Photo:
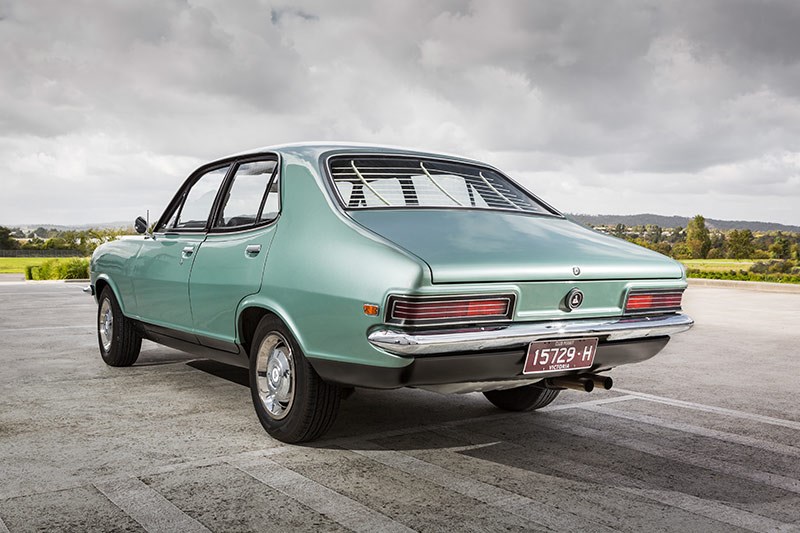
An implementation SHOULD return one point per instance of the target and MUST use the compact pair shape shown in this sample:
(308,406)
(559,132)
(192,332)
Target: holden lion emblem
(574,299)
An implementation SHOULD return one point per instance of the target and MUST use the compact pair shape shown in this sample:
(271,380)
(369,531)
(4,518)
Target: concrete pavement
(702,437)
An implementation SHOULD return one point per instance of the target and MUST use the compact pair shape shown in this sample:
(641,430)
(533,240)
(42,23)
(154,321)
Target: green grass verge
(718,265)
(740,270)
(38,268)
(742,275)
(16,265)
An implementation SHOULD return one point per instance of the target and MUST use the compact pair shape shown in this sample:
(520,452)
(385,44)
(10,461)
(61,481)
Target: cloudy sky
(598,107)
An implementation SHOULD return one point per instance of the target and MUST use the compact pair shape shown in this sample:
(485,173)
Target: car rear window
(366,182)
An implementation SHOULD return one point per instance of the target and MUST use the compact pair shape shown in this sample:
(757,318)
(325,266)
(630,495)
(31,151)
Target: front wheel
(292,402)
(119,341)
(524,398)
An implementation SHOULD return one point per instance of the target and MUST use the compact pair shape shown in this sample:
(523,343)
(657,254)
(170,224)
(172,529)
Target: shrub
(743,275)
(73,268)
(681,251)
(778,266)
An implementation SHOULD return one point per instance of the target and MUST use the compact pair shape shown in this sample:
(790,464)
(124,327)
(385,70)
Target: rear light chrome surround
(652,301)
(441,310)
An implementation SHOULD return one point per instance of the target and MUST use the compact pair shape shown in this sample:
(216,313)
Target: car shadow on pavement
(367,413)
(232,373)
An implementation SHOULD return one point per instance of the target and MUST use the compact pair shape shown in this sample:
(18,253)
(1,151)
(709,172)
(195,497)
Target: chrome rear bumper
(498,337)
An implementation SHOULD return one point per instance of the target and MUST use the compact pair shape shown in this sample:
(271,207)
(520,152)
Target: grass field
(16,265)
(718,265)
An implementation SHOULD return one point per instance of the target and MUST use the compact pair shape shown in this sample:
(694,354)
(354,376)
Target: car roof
(313,150)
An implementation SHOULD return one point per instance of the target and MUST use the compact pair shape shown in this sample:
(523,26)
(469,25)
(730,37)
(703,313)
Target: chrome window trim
(276,175)
(231,162)
(332,189)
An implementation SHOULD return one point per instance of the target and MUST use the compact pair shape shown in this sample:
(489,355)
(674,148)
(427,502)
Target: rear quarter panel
(322,269)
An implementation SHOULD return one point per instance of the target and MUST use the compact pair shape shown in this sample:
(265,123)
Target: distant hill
(69,227)
(674,221)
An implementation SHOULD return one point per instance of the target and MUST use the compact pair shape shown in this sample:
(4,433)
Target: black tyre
(119,341)
(522,398)
(292,402)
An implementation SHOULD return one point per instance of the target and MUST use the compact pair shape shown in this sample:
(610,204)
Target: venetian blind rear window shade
(375,182)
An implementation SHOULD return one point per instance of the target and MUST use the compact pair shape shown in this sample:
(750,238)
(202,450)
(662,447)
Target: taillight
(654,301)
(411,310)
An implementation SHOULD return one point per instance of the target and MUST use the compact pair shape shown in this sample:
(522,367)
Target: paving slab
(702,437)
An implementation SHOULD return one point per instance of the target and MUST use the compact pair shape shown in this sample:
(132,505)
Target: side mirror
(140,225)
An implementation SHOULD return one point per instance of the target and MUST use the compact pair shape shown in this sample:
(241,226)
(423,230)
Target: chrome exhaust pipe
(602,381)
(584,382)
(575,383)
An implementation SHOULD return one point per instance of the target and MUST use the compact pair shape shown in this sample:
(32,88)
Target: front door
(165,261)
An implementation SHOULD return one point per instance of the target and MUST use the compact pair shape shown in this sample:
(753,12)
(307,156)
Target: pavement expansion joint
(724,436)
(792,424)
(605,480)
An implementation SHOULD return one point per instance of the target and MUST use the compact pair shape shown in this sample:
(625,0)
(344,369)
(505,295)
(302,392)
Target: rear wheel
(292,402)
(119,341)
(524,398)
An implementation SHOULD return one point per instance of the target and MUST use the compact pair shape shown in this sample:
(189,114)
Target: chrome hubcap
(275,375)
(105,324)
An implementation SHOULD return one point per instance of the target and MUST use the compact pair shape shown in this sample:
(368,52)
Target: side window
(193,208)
(244,204)
(199,200)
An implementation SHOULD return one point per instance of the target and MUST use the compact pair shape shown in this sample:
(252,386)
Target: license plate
(559,355)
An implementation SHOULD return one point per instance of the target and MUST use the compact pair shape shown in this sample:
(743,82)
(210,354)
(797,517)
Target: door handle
(253,249)
(188,250)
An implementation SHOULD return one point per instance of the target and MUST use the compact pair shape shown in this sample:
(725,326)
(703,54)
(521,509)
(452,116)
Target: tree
(676,234)
(781,248)
(718,242)
(697,237)
(6,242)
(619,231)
(653,233)
(740,244)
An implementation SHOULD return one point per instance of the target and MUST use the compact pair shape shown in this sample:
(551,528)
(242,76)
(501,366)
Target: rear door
(162,267)
(230,263)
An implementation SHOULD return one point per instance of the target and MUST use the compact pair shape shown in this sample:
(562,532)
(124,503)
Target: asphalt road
(704,437)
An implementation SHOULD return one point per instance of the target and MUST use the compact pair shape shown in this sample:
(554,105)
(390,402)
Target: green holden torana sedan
(324,267)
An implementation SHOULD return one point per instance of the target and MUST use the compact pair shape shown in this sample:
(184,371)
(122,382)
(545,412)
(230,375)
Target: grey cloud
(644,97)
(277,14)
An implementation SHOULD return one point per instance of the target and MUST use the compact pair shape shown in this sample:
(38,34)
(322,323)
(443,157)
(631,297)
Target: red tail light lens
(435,310)
(654,301)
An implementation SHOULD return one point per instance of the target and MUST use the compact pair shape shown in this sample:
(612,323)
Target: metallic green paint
(322,269)
(222,275)
(463,245)
(161,272)
(113,263)
(320,266)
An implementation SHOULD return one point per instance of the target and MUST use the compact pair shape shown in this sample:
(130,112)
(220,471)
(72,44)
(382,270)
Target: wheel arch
(101,283)
(250,315)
